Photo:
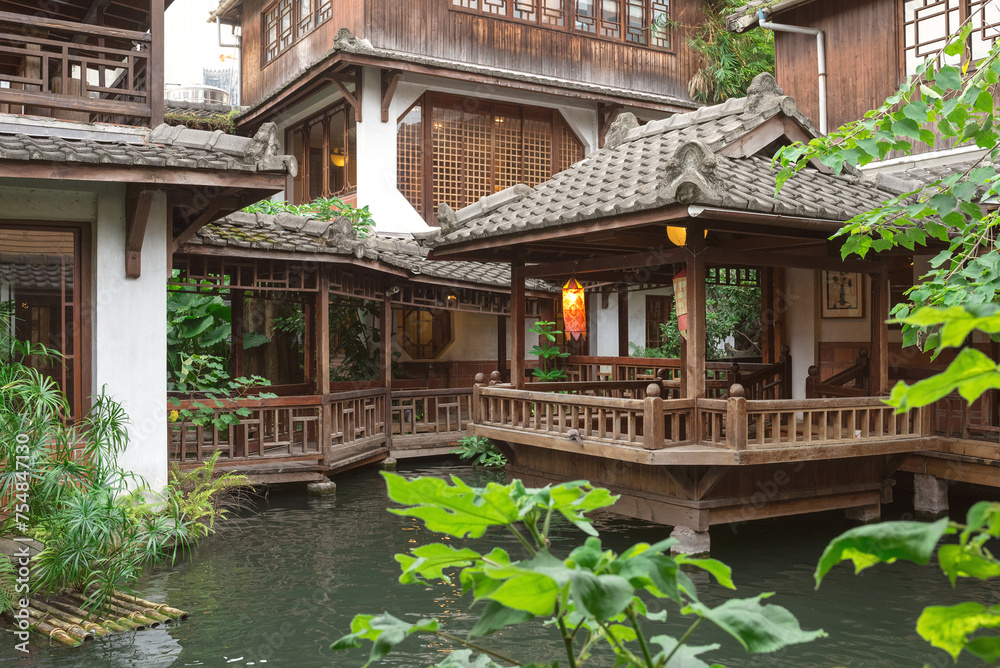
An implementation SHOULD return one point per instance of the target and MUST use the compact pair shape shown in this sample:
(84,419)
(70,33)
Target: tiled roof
(163,146)
(925,172)
(34,272)
(299,234)
(676,160)
(745,18)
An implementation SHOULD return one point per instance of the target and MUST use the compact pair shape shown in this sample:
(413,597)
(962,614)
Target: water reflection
(287,581)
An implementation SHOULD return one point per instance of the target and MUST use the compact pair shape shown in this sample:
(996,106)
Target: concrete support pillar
(865,514)
(930,495)
(322,488)
(690,542)
(389,464)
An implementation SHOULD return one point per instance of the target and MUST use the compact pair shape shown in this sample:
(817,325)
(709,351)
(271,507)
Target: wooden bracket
(138,205)
(353,99)
(606,115)
(207,216)
(390,79)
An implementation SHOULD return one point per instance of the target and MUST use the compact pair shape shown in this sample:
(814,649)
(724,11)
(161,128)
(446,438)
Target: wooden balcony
(87,70)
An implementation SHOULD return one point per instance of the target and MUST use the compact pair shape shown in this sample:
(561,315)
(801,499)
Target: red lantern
(574,309)
(680,300)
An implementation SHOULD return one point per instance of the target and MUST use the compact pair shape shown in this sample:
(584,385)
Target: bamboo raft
(62,619)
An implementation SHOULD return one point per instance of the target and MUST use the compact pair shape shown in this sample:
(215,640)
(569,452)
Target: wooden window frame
(444,315)
(323,117)
(964,11)
(317,10)
(665,302)
(429,100)
(570,10)
(82,335)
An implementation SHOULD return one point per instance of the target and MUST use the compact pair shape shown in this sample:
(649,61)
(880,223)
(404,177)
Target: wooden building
(401,106)
(95,192)
(690,442)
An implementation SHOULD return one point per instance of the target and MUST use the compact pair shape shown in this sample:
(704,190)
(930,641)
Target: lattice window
(279,29)
(466,4)
(657,313)
(495,7)
(478,140)
(525,10)
(409,157)
(509,141)
(325,147)
(553,13)
(586,16)
(636,21)
(570,148)
(537,151)
(423,334)
(611,19)
(446,138)
(735,276)
(927,25)
(304,10)
(661,35)
(324,10)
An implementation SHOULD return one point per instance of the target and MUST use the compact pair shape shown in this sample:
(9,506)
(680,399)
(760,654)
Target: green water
(281,584)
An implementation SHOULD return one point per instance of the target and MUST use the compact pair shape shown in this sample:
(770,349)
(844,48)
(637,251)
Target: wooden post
(785,360)
(653,424)
(695,342)
(767,315)
(385,362)
(811,381)
(736,419)
(477,390)
(238,318)
(154,78)
(322,320)
(502,364)
(517,306)
(308,344)
(623,323)
(880,334)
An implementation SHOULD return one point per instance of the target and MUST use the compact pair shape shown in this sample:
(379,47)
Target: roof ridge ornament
(691,175)
(348,41)
(620,129)
(761,92)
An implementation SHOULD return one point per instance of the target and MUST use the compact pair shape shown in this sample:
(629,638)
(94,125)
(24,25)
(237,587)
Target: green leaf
(600,596)
(949,627)
(462,658)
(722,573)
(383,631)
(986,648)
(943,203)
(530,586)
(882,543)
(957,561)
(905,127)
(916,111)
(456,510)
(759,628)
(949,78)
(429,562)
(686,656)
(496,616)
(254,340)
(972,373)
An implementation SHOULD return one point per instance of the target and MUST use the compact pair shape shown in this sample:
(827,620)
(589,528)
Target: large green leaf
(759,628)
(885,542)
(429,561)
(722,573)
(971,373)
(959,561)
(986,648)
(645,566)
(949,627)
(383,631)
(495,616)
(456,510)
(600,596)
(686,656)
(463,658)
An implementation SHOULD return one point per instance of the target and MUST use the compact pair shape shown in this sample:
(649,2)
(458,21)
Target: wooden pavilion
(696,446)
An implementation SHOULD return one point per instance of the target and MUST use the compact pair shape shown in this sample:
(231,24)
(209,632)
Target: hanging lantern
(681,301)
(574,309)
(679,235)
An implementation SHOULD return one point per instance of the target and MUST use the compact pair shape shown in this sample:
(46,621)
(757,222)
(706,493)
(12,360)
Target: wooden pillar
(517,305)
(623,323)
(880,333)
(767,315)
(502,348)
(694,368)
(385,362)
(309,344)
(321,322)
(154,77)
(238,328)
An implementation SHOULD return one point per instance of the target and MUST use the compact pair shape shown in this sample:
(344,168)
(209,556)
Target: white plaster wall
(797,307)
(475,337)
(128,318)
(637,313)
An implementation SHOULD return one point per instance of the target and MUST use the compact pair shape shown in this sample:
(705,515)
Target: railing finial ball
(480,378)
(495,376)
(813,370)
(653,390)
(736,391)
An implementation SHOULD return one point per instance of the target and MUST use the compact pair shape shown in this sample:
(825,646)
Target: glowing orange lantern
(681,301)
(574,309)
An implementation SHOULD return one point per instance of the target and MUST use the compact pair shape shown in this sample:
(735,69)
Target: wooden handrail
(74,27)
(438,392)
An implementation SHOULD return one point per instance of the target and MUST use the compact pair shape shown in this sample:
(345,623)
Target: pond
(282,583)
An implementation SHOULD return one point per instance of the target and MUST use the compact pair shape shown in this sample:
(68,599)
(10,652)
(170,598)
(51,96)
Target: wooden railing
(439,411)
(357,416)
(851,382)
(649,421)
(105,73)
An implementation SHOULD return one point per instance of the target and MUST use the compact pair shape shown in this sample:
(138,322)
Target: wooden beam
(649,260)
(267,182)
(517,307)
(734,256)
(606,115)
(207,216)
(137,210)
(623,323)
(390,79)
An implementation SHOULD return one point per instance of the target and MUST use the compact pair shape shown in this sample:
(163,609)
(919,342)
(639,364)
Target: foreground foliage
(950,628)
(481,451)
(593,596)
(547,351)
